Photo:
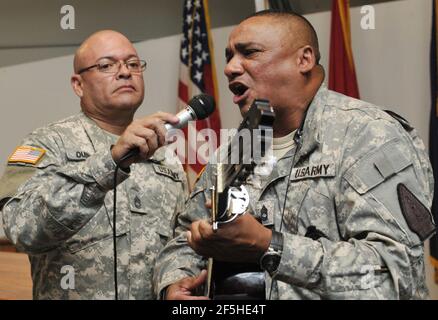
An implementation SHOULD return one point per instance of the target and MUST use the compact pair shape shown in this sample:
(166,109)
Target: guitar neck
(228,172)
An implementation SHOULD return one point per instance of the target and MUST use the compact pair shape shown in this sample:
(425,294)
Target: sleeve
(380,253)
(177,260)
(47,203)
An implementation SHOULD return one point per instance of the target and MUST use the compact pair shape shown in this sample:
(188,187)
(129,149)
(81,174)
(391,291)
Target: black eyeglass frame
(143,65)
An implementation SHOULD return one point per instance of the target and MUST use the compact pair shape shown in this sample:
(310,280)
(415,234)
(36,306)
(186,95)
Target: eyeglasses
(133,65)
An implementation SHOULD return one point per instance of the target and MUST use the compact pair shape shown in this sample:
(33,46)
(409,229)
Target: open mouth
(239,90)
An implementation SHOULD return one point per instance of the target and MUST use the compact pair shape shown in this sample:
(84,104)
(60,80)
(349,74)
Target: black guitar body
(237,281)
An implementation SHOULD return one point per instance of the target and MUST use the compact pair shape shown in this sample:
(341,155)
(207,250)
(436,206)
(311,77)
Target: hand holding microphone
(144,136)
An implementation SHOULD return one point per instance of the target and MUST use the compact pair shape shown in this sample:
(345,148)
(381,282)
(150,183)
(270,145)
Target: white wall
(392,64)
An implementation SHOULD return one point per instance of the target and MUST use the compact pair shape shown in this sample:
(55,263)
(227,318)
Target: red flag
(342,75)
(197,75)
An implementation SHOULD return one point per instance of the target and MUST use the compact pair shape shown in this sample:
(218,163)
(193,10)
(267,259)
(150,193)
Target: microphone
(198,108)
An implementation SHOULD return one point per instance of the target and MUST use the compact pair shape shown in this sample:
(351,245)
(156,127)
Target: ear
(306,59)
(76,83)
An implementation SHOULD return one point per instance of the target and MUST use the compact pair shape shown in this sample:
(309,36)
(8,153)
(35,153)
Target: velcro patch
(77,155)
(416,214)
(167,172)
(265,211)
(314,171)
(26,154)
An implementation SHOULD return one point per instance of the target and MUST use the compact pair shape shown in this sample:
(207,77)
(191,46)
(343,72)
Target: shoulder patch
(26,154)
(417,215)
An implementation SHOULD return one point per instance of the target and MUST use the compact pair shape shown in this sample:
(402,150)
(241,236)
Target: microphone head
(202,105)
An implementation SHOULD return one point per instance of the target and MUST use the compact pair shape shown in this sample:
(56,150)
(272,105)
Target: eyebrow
(114,59)
(242,45)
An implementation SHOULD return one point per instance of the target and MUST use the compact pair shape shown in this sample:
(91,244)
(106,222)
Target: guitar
(230,199)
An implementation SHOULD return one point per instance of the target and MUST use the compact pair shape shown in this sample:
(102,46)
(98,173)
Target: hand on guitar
(243,240)
(185,288)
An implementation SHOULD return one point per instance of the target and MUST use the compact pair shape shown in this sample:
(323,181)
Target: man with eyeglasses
(57,195)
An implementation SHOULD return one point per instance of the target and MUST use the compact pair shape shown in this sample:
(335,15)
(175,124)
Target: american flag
(197,72)
(26,154)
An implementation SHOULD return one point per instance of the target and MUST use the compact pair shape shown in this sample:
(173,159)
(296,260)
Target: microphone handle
(131,153)
(168,126)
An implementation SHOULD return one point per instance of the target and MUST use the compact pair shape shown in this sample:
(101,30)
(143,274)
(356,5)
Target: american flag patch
(27,154)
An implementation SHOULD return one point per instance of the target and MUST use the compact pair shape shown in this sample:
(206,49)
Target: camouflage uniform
(345,235)
(60,212)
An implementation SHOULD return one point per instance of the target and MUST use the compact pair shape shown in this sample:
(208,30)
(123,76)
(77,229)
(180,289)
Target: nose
(233,68)
(124,72)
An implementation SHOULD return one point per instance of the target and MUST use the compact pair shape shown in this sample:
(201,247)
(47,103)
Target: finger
(150,122)
(167,117)
(200,279)
(194,239)
(197,281)
(133,142)
(161,132)
(157,125)
(190,297)
(205,230)
(157,122)
(196,235)
(189,237)
(152,142)
(144,150)
(176,292)
(208,204)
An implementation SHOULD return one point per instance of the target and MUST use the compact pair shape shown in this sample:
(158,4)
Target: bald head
(298,27)
(95,45)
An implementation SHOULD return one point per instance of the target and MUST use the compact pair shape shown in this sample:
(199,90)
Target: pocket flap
(376,167)
(164,230)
